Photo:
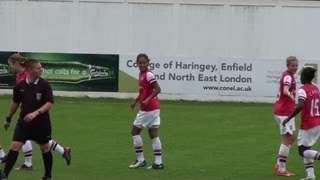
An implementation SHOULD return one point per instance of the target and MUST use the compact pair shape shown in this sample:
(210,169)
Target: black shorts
(39,131)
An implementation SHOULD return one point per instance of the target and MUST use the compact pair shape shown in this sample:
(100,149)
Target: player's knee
(16,146)
(153,133)
(44,148)
(152,136)
(288,139)
(301,150)
(293,139)
(135,131)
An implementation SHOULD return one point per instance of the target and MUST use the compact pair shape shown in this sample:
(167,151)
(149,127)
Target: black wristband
(8,119)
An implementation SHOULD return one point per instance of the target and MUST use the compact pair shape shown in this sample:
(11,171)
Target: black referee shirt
(32,96)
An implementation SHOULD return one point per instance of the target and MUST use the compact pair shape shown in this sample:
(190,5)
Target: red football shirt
(146,79)
(284,105)
(21,76)
(310,114)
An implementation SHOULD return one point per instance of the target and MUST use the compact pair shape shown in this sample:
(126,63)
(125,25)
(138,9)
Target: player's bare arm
(287,92)
(134,102)
(156,91)
(295,112)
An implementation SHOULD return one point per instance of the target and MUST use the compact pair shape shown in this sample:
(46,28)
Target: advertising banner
(69,72)
(211,76)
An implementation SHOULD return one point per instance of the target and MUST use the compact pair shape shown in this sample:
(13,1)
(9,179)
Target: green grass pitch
(201,140)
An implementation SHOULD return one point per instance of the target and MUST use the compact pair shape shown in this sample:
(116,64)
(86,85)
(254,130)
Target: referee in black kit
(35,97)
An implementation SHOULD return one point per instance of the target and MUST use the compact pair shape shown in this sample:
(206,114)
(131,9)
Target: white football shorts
(308,137)
(290,127)
(147,119)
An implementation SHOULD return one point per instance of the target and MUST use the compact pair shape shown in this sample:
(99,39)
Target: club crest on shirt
(38,96)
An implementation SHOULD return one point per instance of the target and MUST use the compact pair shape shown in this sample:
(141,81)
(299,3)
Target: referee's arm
(13,109)
(44,108)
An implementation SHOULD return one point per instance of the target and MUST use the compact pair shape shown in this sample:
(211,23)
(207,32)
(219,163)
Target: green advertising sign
(70,72)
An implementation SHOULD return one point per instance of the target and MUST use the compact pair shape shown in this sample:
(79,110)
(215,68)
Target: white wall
(207,28)
(272,30)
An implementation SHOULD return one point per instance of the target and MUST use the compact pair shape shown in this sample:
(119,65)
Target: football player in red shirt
(148,116)
(283,107)
(309,105)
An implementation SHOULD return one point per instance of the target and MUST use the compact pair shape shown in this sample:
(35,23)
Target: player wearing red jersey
(309,105)
(283,107)
(148,116)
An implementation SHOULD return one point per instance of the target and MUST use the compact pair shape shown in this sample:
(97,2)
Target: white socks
(27,152)
(308,164)
(282,158)
(156,146)
(55,146)
(138,146)
(2,153)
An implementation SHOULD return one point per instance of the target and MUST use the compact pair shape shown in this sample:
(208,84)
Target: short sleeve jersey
(32,96)
(146,79)
(284,105)
(310,113)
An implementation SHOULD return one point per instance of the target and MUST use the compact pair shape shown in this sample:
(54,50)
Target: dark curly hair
(308,73)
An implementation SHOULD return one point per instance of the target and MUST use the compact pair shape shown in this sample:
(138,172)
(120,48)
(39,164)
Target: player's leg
(153,125)
(27,152)
(64,151)
(138,146)
(306,139)
(308,164)
(138,124)
(309,155)
(287,139)
(157,149)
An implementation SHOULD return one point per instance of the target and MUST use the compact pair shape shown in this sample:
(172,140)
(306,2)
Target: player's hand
(6,125)
(29,117)
(132,105)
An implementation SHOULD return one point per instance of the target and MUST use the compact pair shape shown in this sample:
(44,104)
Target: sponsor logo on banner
(69,72)
(213,76)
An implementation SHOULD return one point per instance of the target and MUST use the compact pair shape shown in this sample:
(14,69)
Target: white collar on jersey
(35,82)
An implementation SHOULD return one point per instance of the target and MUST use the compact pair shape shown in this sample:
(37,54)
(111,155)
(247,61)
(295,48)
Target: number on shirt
(314,108)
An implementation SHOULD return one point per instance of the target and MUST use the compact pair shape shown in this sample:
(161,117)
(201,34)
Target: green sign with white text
(69,72)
